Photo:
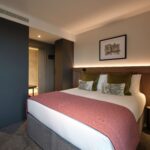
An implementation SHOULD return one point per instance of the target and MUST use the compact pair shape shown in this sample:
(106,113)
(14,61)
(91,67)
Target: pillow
(85,85)
(115,89)
(94,87)
(135,83)
(121,78)
(102,80)
(90,77)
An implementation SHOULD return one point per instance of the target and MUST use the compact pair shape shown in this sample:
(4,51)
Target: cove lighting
(33,48)
(125,65)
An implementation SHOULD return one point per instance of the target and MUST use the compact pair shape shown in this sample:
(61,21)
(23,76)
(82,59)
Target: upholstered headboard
(145,71)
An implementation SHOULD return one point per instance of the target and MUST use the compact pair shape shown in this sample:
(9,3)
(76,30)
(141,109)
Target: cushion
(85,85)
(121,78)
(102,80)
(90,77)
(135,83)
(115,89)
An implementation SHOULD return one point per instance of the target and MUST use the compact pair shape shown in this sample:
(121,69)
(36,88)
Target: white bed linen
(77,133)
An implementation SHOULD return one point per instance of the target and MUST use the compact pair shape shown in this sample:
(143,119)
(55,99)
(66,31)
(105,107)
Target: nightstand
(146,128)
(148,117)
(32,87)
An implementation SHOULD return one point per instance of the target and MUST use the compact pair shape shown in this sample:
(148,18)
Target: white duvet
(77,133)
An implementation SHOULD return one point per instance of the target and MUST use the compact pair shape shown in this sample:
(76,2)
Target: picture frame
(113,48)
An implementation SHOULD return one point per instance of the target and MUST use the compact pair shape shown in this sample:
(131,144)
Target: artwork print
(113,48)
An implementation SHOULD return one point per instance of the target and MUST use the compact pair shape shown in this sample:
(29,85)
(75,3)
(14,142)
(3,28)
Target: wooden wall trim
(144,70)
(141,69)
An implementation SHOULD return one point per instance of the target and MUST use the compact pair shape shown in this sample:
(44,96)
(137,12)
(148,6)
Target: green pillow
(121,78)
(94,88)
(90,77)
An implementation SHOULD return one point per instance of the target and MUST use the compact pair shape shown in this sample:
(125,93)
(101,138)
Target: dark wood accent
(144,70)
(64,51)
(148,117)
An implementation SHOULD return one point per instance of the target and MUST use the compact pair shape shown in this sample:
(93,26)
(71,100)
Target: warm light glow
(125,65)
(33,48)
(30,91)
(39,36)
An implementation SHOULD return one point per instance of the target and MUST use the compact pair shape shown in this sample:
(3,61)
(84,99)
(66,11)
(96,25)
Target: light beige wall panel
(138,43)
(33,67)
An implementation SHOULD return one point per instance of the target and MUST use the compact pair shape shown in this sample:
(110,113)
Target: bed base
(45,137)
(49,140)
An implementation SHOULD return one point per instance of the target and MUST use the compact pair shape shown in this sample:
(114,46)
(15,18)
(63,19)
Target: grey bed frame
(45,137)
(48,139)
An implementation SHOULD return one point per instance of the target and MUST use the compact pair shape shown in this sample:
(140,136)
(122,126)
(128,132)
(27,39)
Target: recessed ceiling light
(39,36)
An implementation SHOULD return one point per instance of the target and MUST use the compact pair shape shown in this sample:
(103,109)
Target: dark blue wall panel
(13,71)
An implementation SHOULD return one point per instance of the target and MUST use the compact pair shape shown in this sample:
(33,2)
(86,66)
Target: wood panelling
(63,64)
(144,70)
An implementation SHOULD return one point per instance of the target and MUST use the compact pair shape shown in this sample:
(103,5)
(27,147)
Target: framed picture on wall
(113,48)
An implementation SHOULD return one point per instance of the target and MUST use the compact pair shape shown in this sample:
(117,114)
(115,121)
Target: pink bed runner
(114,121)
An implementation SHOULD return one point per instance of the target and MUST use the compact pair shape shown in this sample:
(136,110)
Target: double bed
(54,130)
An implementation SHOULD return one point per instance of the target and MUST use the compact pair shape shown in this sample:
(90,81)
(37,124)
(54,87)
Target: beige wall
(33,67)
(138,43)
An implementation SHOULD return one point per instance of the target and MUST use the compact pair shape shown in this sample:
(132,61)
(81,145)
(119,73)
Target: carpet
(18,140)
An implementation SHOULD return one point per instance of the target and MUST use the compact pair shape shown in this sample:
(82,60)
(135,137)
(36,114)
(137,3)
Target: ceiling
(44,36)
(76,16)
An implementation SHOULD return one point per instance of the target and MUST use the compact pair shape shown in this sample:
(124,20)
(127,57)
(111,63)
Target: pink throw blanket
(114,121)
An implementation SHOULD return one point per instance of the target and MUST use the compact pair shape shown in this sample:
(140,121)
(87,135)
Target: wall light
(33,48)
(39,36)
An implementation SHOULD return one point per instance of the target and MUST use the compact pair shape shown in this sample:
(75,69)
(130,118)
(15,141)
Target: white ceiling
(77,16)
(44,36)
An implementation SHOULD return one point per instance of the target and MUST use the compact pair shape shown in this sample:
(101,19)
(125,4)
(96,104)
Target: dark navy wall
(13,71)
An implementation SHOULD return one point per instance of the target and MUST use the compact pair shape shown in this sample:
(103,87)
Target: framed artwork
(113,48)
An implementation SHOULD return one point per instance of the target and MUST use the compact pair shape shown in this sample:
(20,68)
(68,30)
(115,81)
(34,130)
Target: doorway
(33,71)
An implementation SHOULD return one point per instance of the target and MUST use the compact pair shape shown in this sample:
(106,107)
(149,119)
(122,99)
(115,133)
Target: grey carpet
(15,138)
(19,140)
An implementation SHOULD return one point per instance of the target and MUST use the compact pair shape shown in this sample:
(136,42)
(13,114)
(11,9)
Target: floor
(15,137)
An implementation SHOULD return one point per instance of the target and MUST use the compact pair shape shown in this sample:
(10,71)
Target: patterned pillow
(117,78)
(86,85)
(115,89)
(90,77)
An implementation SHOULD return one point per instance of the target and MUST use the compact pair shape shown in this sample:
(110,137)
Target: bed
(56,131)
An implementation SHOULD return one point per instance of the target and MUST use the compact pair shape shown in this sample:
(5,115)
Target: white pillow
(135,83)
(101,81)
(86,85)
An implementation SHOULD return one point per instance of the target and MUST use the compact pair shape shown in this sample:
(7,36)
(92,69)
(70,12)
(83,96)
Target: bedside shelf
(147,128)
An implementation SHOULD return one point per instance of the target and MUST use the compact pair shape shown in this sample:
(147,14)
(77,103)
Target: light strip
(33,48)
(96,66)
